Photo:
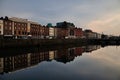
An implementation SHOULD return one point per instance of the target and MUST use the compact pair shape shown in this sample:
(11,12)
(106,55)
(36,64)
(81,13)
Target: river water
(91,62)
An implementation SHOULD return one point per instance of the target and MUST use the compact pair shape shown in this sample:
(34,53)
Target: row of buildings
(26,60)
(22,28)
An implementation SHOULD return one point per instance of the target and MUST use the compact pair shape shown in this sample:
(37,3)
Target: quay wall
(38,42)
(54,42)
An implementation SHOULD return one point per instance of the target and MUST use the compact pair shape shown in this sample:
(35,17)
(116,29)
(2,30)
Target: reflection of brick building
(71,54)
(46,56)
(8,64)
(15,62)
(1,65)
(78,51)
(61,55)
(35,58)
(64,55)
(20,61)
(38,57)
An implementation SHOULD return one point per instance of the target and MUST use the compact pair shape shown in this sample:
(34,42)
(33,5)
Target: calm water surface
(77,63)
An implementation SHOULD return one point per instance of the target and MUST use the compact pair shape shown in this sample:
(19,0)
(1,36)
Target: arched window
(72,32)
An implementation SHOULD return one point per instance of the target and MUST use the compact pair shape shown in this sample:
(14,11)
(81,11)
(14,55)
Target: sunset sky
(98,15)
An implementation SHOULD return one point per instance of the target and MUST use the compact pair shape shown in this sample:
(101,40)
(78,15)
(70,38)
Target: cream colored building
(51,55)
(51,32)
(1,27)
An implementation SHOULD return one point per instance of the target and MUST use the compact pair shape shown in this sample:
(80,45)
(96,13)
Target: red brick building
(62,33)
(65,29)
(35,30)
(45,31)
(19,27)
(7,27)
(78,32)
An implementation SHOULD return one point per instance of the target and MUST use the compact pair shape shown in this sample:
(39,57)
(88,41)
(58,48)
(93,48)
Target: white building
(52,32)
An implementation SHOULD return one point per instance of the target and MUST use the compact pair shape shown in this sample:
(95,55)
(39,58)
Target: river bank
(38,42)
(54,42)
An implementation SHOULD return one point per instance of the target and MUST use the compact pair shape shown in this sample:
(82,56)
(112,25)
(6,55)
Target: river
(90,62)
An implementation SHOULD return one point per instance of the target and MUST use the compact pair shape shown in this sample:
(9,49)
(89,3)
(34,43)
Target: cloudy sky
(98,15)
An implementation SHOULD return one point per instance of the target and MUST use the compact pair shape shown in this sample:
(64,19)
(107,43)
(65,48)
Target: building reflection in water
(23,61)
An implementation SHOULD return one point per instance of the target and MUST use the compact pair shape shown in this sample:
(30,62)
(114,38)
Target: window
(25,29)
(5,27)
(0,65)
(5,23)
(10,23)
(19,32)
(15,23)
(23,33)
(10,28)
(0,21)
(18,28)
(15,27)
(14,32)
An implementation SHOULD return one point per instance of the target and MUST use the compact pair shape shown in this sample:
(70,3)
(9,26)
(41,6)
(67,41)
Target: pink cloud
(109,24)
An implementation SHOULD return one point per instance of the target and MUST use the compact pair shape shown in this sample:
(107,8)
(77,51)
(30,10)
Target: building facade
(1,28)
(22,28)
(45,32)
(53,32)
(78,32)
(6,27)
(19,27)
(35,30)
(62,33)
